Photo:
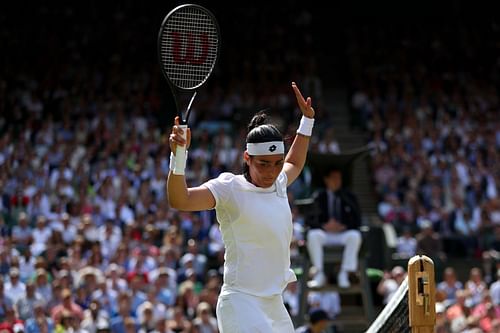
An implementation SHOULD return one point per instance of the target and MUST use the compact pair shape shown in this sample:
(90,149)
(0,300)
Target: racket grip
(181,155)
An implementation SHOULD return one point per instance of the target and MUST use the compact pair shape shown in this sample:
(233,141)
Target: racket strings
(188,47)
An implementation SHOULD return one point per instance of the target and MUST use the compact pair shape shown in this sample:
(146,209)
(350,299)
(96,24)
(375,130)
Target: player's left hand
(304,104)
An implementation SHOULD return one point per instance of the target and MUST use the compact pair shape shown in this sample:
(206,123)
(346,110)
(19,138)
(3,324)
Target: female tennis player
(255,221)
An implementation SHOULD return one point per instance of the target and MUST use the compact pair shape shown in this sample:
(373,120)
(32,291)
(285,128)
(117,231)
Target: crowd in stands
(430,104)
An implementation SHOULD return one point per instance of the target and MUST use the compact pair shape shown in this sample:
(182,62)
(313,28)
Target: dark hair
(259,130)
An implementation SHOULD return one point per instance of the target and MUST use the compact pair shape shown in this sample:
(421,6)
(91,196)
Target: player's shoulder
(226,177)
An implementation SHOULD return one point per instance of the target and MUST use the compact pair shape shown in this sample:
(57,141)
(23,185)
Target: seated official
(339,218)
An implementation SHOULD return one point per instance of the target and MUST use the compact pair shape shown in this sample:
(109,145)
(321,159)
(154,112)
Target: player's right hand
(177,138)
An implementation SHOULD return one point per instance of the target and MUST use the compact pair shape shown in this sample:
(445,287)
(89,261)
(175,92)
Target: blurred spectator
(486,313)
(449,286)
(205,322)
(14,288)
(25,305)
(94,318)
(328,301)
(462,307)
(495,290)
(390,283)
(68,307)
(179,322)
(145,316)
(406,246)
(475,286)
(5,301)
(22,232)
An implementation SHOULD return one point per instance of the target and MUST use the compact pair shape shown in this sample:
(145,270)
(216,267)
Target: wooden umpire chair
(357,310)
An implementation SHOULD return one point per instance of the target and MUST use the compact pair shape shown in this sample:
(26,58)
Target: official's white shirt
(256,226)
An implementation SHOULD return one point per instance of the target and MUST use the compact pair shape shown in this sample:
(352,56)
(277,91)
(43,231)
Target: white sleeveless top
(256,227)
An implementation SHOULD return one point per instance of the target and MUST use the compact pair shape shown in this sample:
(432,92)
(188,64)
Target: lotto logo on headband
(266,148)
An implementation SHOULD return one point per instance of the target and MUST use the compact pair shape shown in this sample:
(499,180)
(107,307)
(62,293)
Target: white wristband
(180,160)
(171,165)
(306,126)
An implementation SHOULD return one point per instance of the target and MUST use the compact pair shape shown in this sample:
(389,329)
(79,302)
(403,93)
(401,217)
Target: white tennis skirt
(243,313)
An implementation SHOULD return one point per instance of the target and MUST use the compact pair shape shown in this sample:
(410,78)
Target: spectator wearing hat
(14,288)
(145,316)
(22,232)
(442,324)
(205,322)
(42,284)
(318,322)
(67,305)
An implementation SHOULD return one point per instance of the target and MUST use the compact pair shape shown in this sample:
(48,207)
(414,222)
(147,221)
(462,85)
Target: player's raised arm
(296,157)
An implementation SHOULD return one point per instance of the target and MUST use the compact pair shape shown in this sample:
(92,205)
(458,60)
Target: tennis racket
(188,47)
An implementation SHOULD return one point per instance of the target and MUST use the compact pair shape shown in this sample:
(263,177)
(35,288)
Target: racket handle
(181,154)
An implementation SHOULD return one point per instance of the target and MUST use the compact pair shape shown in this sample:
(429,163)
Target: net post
(421,294)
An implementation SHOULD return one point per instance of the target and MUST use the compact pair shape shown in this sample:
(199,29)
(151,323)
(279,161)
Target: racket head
(188,46)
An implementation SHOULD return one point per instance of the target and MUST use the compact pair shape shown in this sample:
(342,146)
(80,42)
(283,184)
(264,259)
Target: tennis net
(394,318)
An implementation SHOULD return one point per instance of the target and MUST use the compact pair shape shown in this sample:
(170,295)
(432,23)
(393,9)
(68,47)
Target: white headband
(266,148)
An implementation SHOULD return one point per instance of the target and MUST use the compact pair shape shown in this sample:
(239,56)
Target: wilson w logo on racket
(188,46)
(185,47)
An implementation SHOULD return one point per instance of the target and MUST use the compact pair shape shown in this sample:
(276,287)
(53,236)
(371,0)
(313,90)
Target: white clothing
(243,313)
(390,288)
(406,246)
(15,292)
(350,239)
(256,226)
(495,292)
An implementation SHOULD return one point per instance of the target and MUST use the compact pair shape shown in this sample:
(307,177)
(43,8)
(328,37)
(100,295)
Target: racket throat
(188,109)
